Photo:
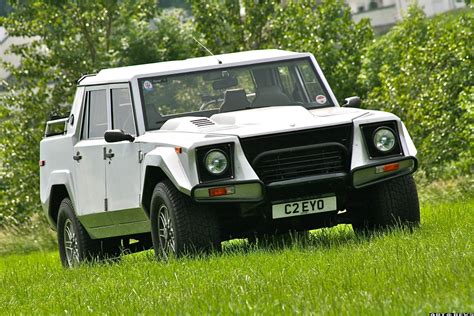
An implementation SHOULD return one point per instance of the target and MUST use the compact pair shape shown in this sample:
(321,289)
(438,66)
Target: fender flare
(163,159)
(57,177)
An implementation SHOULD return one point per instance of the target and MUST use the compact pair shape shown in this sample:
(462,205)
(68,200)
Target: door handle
(77,157)
(109,154)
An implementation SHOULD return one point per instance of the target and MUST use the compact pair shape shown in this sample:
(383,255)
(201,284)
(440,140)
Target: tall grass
(333,272)
(37,236)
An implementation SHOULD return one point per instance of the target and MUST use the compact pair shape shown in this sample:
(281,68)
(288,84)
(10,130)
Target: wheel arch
(58,193)
(153,175)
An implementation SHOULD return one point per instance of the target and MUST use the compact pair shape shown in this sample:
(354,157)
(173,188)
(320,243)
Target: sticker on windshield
(147,85)
(321,99)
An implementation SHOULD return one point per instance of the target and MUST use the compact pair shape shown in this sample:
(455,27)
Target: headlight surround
(216,162)
(379,141)
(384,139)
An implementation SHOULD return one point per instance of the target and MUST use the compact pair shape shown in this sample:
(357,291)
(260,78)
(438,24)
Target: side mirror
(117,135)
(352,102)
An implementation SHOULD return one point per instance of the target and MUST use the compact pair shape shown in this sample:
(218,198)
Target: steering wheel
(205,105)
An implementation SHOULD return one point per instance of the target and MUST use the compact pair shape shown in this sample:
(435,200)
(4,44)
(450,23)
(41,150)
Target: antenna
(207,50)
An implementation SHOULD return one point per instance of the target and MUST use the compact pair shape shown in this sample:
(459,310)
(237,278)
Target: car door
(123,162)
(89,167)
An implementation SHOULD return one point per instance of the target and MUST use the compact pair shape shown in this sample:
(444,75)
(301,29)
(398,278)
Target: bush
(71,38)
(422,70)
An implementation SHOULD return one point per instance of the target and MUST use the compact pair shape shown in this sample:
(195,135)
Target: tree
(71,38)
(422,70)
(325,29)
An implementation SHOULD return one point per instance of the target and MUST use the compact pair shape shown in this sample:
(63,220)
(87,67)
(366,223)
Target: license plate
(304,207)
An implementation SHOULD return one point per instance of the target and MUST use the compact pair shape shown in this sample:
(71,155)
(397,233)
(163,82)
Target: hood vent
(203,122)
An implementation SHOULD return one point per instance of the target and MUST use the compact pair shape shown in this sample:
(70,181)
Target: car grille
(287,156)
(291,164)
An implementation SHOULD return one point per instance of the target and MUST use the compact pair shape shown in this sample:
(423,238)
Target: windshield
(204,93)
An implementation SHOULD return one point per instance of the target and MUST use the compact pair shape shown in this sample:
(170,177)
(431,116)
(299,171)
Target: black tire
(80,247)
(386,205)
(193,228)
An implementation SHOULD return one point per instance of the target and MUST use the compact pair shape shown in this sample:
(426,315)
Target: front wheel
(75,244)
(180,226)
(393,203)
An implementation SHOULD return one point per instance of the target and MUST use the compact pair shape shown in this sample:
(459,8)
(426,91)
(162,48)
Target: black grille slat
(297,165)
(282,177)
(300,154)
(265,165)
(316,156)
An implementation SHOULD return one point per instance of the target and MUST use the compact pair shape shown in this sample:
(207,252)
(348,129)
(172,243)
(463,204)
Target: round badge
(148,85)
(321,99)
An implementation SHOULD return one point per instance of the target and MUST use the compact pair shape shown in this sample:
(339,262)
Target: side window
(97,113)
(122,112)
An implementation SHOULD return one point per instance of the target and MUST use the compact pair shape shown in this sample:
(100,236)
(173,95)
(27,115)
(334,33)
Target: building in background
(383,14)
(5,43)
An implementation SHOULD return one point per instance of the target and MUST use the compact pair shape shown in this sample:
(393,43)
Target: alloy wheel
(166,232)
(70,244)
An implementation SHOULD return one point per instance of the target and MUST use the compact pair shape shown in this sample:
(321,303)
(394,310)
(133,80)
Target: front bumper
(382,171)
(232,191)
(338,183)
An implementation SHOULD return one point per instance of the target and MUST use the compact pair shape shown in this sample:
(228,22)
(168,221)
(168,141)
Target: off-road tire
(195,228)
(87,247)
(384,206)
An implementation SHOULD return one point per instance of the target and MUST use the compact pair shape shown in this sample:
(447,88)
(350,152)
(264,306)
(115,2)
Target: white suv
(208,149)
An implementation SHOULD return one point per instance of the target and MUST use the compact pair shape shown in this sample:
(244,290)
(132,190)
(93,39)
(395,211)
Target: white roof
(125,74)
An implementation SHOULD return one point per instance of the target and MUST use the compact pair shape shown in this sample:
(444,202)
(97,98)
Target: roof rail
(85,76)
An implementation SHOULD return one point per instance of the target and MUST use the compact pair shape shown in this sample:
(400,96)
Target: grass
(334,272)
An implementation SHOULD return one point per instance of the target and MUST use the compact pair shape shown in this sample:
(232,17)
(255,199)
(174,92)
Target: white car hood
(263,121)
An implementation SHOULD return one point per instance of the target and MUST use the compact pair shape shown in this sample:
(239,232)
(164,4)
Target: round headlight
(384,139)
(216,162)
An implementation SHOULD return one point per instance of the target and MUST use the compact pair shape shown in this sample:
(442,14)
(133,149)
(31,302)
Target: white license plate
(304,207)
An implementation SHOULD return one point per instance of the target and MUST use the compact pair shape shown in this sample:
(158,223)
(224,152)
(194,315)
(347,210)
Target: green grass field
(334,272)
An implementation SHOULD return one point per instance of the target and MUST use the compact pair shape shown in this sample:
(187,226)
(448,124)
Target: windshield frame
(210,112)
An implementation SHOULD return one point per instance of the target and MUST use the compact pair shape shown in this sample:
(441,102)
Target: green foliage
(423,71)
(70,39)
(169,38)
(325,29)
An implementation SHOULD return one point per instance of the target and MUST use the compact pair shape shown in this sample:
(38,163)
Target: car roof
(126,74)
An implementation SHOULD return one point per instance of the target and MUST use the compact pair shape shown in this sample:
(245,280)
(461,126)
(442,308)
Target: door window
(122,112)
(97,113)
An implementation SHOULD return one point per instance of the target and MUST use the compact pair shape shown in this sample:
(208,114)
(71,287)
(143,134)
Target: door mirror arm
(117,135)
(352,102)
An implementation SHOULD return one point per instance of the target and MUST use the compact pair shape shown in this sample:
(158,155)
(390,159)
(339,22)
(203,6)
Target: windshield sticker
(321,99)
(147,85)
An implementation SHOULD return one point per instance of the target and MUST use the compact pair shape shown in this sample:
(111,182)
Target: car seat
(270,96)
(234,100)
